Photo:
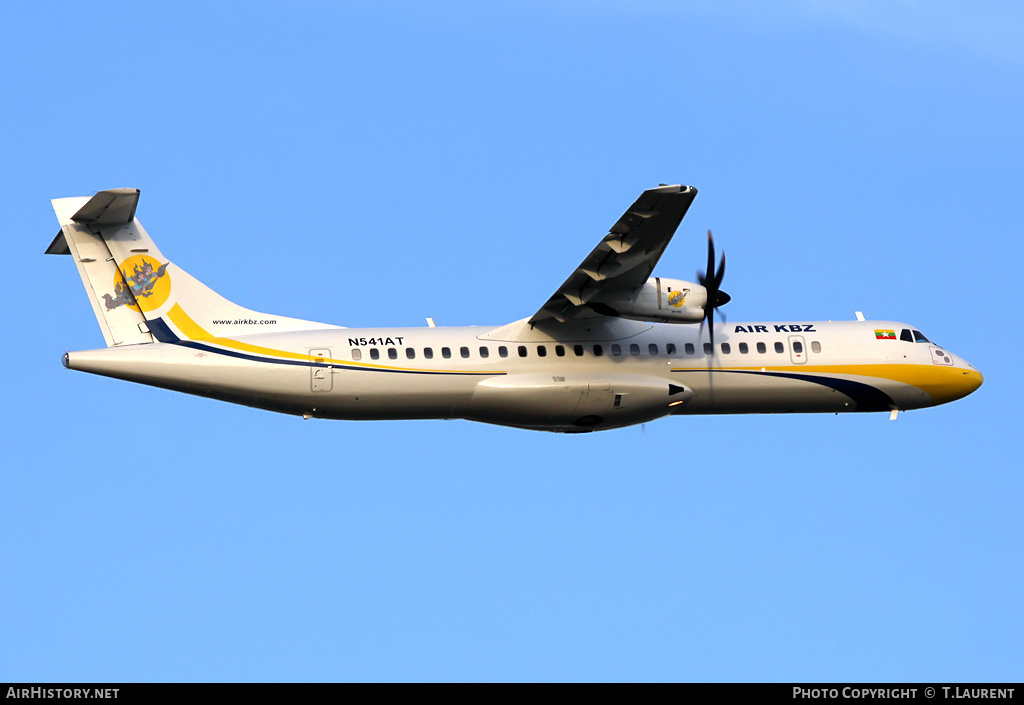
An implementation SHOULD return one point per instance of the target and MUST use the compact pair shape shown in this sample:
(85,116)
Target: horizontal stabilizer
(113,207)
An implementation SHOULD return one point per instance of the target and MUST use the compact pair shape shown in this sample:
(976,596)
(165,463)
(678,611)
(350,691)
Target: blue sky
(374,164)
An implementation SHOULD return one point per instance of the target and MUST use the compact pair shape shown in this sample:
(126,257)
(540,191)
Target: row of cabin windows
(780,348)
(483,350)
(578,350)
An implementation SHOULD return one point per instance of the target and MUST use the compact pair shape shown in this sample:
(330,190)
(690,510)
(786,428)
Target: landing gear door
(797,349)
(596,399)
(320,374)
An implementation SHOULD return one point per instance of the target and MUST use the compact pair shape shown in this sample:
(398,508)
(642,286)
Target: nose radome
(971,377)
(946,384)
(965,380)
(972,380)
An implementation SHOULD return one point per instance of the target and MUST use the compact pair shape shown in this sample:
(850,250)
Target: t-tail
(137,294)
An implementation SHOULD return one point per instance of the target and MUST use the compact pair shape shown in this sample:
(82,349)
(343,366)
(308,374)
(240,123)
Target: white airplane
(611,347)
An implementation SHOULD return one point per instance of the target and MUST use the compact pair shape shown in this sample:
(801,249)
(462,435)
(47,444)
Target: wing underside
(621,264)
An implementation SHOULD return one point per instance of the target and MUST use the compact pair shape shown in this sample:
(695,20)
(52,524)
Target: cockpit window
(905,336)
(919,337)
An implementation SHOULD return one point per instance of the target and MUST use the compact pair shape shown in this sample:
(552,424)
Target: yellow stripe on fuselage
(194,331)
(940,382)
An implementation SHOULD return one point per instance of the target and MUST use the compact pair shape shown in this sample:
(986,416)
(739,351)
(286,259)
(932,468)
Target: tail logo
(140,284)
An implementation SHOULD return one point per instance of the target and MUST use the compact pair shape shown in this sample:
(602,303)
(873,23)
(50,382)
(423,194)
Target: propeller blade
(711,256)
(711,280)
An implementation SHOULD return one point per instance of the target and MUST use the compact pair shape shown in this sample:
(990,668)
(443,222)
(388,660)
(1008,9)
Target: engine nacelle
(662,300)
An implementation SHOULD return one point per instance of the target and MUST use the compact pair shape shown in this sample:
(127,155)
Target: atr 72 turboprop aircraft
(611,347)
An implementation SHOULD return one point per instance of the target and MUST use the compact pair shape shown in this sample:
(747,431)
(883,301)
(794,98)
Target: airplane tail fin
(137,294)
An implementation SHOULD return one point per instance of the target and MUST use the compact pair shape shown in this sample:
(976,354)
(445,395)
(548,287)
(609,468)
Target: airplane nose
(960,382)
(945,384)
(971,380)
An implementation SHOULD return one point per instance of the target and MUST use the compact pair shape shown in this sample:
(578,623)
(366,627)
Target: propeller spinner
(712,281)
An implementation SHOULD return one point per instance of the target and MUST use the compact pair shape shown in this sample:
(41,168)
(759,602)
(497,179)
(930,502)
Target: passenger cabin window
(577,350)
(446,353)
(634,349)
(598,351)
(670,349)
(374,354)
(761,348)
(464,351)
(392,353)
(484,352)
(522,351)
(560,350)
(815,346)
(428,353)
(726,348)
(410,353)
(616,350)
(357,354)
(798,347)
(689,349)
(780,348)
(707,349)
(542,351)
(652,348)
(744,349)
(502,351)
(905,336)
(919,337)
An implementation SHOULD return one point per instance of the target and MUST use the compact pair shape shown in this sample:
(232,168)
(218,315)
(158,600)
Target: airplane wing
(623,261)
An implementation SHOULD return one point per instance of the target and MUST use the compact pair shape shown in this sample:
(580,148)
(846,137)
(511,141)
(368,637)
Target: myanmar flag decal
(885,335)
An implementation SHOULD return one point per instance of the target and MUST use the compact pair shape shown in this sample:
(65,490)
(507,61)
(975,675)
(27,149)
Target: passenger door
(797,349)
(320,377)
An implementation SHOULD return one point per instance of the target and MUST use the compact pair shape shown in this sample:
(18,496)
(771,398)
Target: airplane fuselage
(517,375)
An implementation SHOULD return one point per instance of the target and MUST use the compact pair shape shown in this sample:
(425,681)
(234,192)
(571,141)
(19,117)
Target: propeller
(712,281)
